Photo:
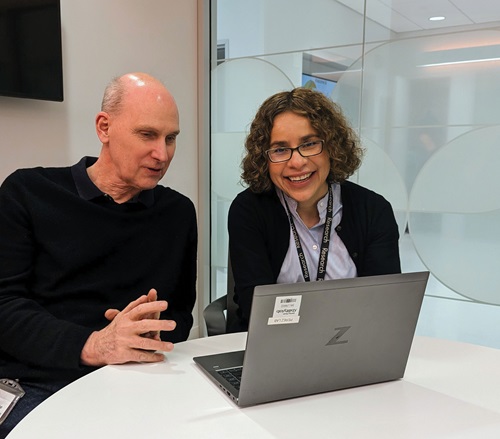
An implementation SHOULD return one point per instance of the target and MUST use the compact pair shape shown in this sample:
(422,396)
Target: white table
(450,390)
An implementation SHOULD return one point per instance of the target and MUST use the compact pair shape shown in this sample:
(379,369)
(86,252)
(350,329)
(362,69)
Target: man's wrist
(88,356)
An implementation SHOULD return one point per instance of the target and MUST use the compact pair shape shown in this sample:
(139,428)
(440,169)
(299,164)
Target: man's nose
(160,152)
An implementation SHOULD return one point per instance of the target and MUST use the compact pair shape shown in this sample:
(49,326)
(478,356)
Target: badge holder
(10,392)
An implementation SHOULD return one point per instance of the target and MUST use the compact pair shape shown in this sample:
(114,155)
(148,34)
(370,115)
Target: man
(79,244)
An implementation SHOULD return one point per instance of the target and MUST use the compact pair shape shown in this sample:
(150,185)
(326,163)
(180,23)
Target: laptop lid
(314,337)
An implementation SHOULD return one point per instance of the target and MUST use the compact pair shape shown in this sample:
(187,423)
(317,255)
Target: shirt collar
(89,191)
(322,204)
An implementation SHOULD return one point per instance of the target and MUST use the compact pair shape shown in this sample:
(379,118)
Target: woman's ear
(102,126)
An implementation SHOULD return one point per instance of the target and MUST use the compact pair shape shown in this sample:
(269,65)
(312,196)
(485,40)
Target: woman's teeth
(301,178)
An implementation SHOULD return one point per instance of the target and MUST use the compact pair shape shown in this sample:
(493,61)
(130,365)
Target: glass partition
(422,94)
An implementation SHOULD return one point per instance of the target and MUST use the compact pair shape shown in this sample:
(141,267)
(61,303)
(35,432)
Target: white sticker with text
(6,400)
(286,310)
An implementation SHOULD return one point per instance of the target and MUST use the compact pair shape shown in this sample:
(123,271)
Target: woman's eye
(279,150)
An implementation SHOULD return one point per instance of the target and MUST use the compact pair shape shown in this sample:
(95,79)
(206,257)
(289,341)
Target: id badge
(10,392)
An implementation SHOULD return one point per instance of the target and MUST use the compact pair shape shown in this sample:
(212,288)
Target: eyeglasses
(307,149)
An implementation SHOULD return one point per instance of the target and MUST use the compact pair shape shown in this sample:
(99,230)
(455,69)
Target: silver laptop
(312,337)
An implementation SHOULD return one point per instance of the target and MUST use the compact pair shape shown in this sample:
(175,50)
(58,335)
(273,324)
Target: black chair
(220,314)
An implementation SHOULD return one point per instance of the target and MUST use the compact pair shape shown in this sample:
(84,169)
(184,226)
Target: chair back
(220,314)
(231,305)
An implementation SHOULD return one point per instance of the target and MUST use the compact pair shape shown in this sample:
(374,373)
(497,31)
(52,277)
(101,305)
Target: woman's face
(301,178)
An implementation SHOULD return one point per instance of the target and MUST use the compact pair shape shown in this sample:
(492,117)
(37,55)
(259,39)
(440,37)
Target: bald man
(98,260)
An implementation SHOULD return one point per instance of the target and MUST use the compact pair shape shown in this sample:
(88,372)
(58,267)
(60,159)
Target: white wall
(102,39)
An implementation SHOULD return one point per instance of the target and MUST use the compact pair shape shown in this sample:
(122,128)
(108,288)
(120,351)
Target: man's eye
(147,134)
(170,139)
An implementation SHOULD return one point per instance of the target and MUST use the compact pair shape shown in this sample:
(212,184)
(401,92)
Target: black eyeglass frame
(298,148)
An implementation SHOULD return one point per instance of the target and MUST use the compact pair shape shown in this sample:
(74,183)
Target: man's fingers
(135,303)
(142,356)
(147,309)
(147,326)
(152,295)
(110,314)
(151,345)
(155,335)
(149,357)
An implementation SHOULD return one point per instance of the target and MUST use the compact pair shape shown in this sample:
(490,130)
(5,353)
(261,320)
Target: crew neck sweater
(65,260)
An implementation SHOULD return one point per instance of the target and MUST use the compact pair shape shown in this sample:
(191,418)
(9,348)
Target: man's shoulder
(37,175)
(172,196)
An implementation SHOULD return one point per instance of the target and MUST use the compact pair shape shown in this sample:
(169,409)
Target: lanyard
(325,242)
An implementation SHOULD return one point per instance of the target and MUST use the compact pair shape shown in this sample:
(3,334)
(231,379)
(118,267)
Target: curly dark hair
(326,117)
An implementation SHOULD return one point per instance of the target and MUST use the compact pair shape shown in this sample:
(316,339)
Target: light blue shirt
(339,265)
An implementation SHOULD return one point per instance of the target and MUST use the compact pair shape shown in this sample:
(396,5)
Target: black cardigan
(259,234)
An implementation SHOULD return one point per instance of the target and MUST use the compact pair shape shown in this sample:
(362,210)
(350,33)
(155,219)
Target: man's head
(137,125)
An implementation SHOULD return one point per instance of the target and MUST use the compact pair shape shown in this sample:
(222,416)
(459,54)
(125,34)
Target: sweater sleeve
(382,250)
(369,231)
(182,299)
(258,241)
(29,333)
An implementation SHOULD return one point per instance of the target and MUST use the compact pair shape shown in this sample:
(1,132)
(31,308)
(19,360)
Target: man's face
(141,139)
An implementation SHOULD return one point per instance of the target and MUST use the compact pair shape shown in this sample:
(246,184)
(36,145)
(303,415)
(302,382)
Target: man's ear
(102,126)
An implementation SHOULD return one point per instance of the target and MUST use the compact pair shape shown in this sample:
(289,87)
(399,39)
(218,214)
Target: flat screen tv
(324,86)
(31,49)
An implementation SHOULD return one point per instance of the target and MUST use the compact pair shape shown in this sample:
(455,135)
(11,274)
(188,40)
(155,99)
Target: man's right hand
(123,340)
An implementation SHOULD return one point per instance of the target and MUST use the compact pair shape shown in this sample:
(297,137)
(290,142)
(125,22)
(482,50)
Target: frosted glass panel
(428,124)
(455,215)
(262,27)
(470,184)
(238,89)
(381,175)
(424,98)
(411,82)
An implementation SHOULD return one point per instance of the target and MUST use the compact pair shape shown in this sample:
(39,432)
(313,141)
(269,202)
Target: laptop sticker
(286,310)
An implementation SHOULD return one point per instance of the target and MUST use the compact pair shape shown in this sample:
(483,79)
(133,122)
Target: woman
(300,220)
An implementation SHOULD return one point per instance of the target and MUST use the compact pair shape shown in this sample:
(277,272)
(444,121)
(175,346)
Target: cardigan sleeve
(369,231)
(258,241)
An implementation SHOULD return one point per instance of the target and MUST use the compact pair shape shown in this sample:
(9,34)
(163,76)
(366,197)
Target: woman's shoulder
(248,196)
(353,191)
(263,205)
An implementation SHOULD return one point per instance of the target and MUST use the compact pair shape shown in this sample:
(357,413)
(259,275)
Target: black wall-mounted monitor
(31,49)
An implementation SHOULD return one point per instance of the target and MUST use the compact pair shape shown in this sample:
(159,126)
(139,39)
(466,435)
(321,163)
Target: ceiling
(407,16)
(413,15)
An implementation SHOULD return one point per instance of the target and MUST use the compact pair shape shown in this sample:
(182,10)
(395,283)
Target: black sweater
(65,260)
(259,234)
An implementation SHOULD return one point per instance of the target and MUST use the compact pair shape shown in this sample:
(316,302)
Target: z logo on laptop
(336,338)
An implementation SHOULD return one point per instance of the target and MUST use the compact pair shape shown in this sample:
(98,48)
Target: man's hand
(152,296)
(132,335)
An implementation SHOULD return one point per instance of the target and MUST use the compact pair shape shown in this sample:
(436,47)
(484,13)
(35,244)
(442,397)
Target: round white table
(450,390)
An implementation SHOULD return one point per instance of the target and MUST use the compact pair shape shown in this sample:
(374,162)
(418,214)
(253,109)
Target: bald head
(138,127)
(132,84)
